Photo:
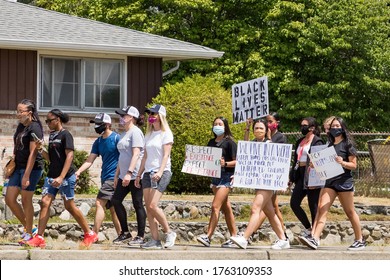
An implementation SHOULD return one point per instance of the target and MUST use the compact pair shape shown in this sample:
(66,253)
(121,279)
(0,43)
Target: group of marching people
(141,165)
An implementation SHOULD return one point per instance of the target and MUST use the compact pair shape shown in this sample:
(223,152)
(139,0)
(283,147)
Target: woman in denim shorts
(221,186)
(29,167)
(340,186)
(60,178)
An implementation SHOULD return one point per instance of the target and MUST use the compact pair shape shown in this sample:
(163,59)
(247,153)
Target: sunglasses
(49,120)
(153,113)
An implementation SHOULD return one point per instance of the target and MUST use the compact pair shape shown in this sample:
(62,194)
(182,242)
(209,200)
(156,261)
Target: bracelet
(129,172)
(246,129)
(225,164)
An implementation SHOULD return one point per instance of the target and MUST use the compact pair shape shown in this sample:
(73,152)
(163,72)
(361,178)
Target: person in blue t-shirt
(104,146)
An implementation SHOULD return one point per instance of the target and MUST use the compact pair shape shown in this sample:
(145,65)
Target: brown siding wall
(144,80)
(18,77)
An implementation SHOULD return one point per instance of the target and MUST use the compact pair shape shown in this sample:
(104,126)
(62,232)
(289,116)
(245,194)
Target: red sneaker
(37,241)
(89,238)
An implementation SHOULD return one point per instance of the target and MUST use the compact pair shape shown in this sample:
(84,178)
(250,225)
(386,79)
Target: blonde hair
(163,122)
(328,120)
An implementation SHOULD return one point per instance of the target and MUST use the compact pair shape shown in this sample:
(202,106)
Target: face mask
(218,130)
(336,131)
(152,120)
(272,126)
(304,129)
(259,134)
(122,121)
(100,129)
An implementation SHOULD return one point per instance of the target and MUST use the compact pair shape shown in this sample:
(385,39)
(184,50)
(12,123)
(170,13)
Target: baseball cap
(128,110)
(157,108)
(101,118)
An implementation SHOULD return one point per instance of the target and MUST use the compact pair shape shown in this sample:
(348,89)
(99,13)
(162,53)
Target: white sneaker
(170,239)
(240,241)
(281,245)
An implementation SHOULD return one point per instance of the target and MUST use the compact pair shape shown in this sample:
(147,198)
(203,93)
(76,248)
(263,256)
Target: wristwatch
(225,164)
(129,172)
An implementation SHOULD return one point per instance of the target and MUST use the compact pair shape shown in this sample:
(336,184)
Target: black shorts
(342,187)
(106,192)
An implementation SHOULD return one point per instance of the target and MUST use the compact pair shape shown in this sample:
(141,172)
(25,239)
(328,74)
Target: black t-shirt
(59,141)
(22,139)
(279,137)
(344,150)
(229,150)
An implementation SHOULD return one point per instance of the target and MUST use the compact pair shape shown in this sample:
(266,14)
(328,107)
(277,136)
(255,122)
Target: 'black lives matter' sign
(250,100)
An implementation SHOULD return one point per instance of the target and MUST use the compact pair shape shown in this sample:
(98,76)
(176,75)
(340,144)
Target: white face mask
(218,130)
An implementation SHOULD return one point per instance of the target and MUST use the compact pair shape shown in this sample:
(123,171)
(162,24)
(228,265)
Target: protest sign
(325,164)
(203,161)
(314,179)
(261,165)
(250,100)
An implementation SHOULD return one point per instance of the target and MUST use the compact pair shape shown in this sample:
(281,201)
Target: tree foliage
(322,57)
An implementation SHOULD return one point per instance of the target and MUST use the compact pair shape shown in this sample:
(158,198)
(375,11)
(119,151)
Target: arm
(87,164)
(351,164)
(136,154)
(30,165)
(141,169)
(247,128)
(166,154)
(68,162)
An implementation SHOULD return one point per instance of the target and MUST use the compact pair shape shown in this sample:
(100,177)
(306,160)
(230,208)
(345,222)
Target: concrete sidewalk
(194,252)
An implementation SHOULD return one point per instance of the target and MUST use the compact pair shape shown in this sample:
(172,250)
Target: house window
(81,84)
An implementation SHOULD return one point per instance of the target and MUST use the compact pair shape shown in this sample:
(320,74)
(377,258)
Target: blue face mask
(218,130)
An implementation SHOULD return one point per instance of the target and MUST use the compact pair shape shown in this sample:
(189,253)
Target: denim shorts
(16,179)
(162,184)
(66,189)
(342,187)
(224,181)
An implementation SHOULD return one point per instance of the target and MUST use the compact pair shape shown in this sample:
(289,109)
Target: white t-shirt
(134,138)
(154,148)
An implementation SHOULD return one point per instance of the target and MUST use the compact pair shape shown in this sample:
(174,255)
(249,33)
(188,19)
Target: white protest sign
(314,179)
(203,161)
(262,165)
(325,164)
(250,100)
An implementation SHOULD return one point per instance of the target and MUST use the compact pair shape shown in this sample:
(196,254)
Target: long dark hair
(346,134)
(313,123)
(228,133)
(276,116)
(64,117)
(31,107)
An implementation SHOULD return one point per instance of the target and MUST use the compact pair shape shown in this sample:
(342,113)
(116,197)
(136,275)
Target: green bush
(84,182)
(192,106)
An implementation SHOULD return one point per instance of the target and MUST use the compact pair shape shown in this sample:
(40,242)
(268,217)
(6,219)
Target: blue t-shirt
(106,147)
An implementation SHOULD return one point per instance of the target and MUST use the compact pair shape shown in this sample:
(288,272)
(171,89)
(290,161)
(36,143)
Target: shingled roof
(28,27)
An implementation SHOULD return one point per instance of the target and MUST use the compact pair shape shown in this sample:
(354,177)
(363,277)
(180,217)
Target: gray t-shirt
(134,138)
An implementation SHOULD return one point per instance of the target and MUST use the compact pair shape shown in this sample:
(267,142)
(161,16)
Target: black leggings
(298,194)
(137,197)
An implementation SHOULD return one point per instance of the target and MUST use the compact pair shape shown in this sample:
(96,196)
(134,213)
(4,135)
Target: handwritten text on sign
(325,164)
(314,179)
(262,165)
(203,161)
(250,100)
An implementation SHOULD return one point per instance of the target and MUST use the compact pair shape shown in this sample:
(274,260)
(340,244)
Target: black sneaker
(122,238)
(309,241)
(358,245)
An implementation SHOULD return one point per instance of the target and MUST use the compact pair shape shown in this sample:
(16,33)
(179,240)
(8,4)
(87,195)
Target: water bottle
(153,184)
(5,185)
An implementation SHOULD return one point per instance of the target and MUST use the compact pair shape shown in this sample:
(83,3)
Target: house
(80,66)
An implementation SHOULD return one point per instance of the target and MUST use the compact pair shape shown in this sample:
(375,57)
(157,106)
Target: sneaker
(136,241)
(152,245)
(358,245)
(281,244)
(240,241)
(37,241)
(170,239)
(306,233)
(228,244)
(34,231)
(89,238)
(310,242)
(25,238)
(122,238)
(204,239)
(250,239)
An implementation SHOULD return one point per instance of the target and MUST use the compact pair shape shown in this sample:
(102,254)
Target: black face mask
(304,129)
(336,132)
(100,129)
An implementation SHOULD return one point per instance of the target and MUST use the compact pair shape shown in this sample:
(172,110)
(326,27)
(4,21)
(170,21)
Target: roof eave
(166,54)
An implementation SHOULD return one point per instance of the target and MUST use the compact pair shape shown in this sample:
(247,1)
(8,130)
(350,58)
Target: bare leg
(12,203)
(99,213)
(44,214)
(115,220)
(220,197)
(229,216)
(76,213)
(327,197)
(346,200)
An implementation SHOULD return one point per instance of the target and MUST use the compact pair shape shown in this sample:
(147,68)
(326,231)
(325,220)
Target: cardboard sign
(314,178)
(262,165)
(250,100)
(203,161)
(325,164)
